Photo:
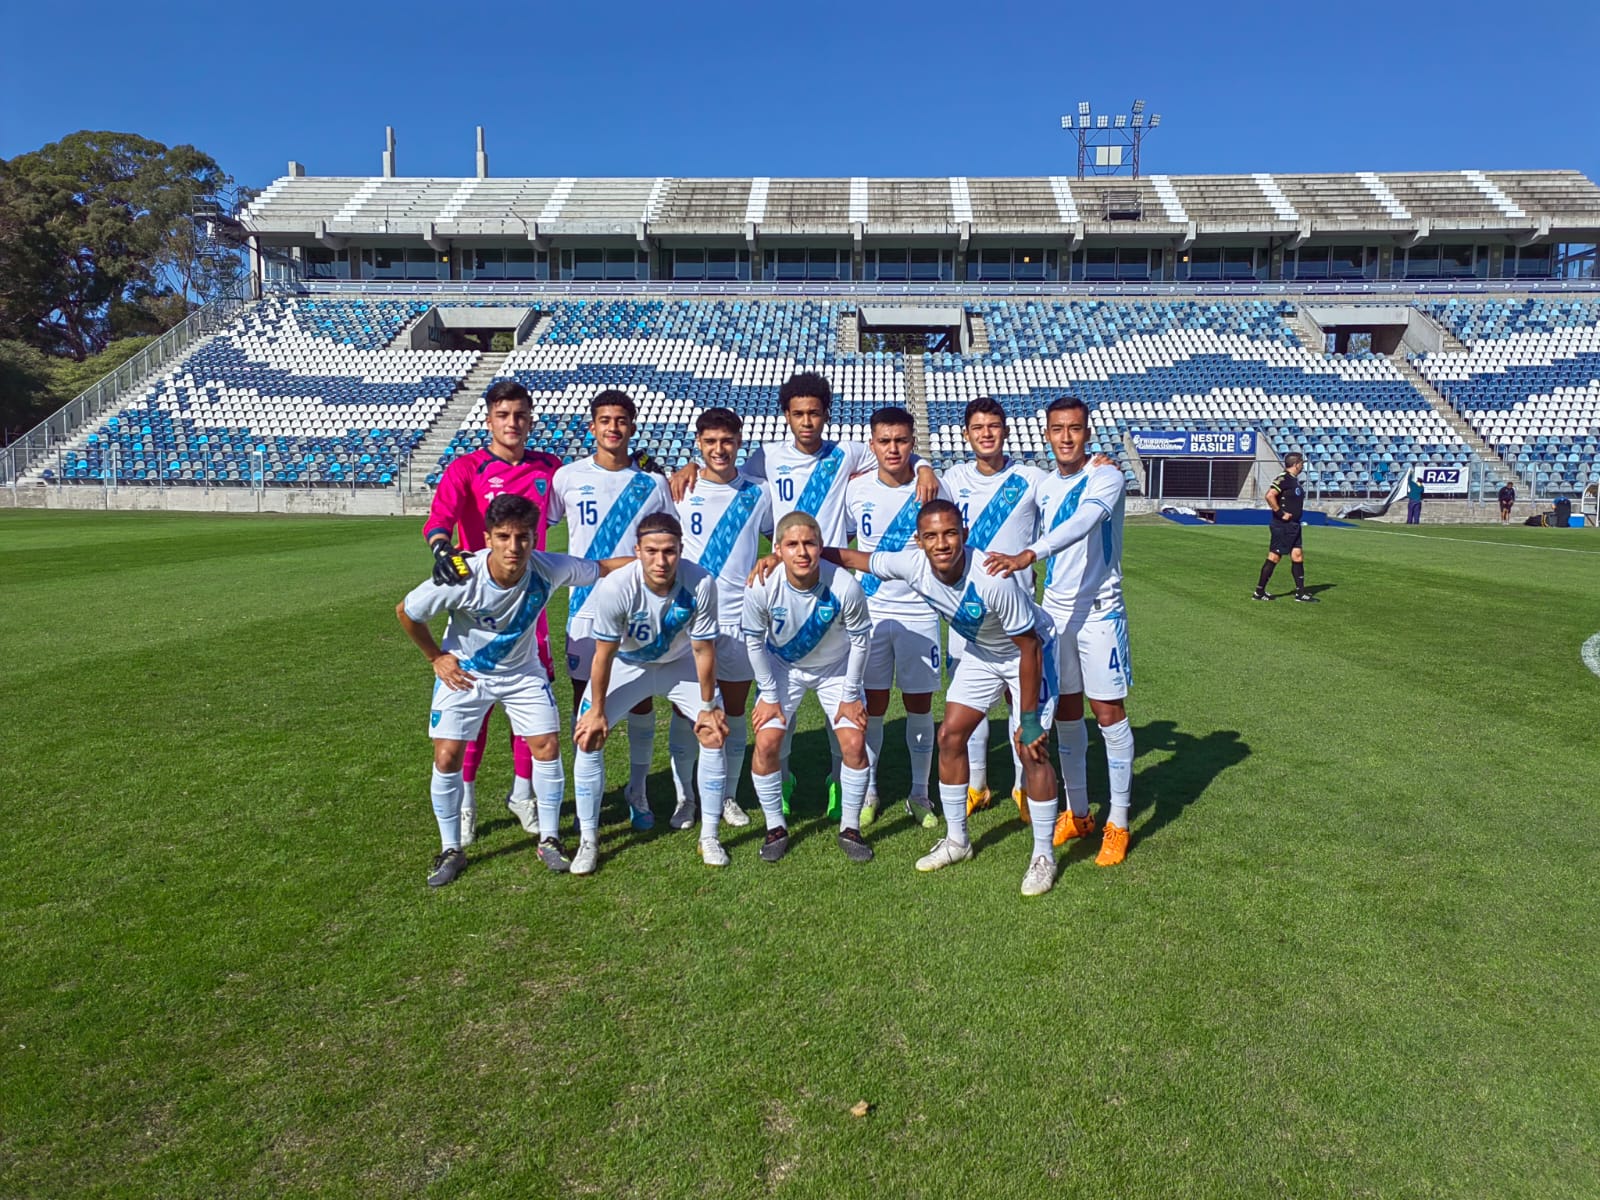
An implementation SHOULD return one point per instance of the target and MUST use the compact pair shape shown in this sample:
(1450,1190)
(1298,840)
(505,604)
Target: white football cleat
(526,812)
(945,853)
(713,853)
(587,857)
(1041,876)
(733,814)
(469,823)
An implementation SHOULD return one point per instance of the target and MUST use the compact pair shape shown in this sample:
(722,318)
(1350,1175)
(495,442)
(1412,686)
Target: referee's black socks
(1266,574)
(1299,571)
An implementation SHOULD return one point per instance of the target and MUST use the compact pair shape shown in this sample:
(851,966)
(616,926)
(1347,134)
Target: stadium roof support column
(483,156)
(388,151)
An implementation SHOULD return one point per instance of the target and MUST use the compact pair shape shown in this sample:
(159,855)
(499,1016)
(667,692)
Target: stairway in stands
(917,398)
(980,334)
(1499,469)
(462,401)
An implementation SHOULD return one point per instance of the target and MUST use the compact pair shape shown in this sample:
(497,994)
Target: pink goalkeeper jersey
(474,479)
(464,492)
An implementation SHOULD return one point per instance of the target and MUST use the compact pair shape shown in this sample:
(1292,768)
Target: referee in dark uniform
(1287,499)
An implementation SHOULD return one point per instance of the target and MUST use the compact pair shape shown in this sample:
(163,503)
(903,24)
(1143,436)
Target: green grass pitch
(1355,950)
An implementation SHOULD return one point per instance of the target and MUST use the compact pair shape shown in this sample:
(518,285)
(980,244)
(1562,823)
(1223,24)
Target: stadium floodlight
(1138,107)
(1083,122)
(1102,122)
(1121,121)
(1083,108)
(1066,122)
(1155,120)
(1138,120)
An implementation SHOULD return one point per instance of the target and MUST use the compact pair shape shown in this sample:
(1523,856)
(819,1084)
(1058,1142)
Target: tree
(97,239)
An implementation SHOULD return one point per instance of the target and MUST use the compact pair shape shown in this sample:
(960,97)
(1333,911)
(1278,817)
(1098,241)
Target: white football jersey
(1001,510)
(722,528)
(988,610)
(648,627)
(1090,569)
(602,509)
(809,629)
(813,483)
(491,628)
(885,518)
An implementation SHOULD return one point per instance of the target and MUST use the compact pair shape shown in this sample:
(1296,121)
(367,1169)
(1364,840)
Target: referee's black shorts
(1285,536)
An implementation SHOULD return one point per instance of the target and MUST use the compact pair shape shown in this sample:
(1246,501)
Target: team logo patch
(541,486)
(972,609)
(433,718)
(572,663)
(826,610)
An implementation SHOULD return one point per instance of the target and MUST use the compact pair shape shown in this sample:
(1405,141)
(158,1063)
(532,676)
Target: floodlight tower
(1115,140)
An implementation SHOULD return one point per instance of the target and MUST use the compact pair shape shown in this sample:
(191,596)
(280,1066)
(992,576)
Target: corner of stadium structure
(1443,324)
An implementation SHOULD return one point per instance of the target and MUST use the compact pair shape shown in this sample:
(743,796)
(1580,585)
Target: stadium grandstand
(1377,322)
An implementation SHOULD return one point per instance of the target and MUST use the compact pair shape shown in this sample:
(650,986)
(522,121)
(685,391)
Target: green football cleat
(835,800)
(788,790)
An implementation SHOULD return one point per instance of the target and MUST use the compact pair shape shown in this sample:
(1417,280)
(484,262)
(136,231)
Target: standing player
(490,657)
(465,491)
(996,498)
(654,625)
(1081,506)
(723,520)
(883,507)
(1008,646)
(809,474)
(1286,498)
(1508,497)
(806,627)
(603,498)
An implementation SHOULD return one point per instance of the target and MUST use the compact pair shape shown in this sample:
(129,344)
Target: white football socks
(713,773)
(978,756)
(919,744)
(550,786)
(445,791)
(953,800)
(852,794)
(469,795)
(522,789)
(641,749)
(1019,777)
(769,791)
(681,745)
(1072,747)
(874,749)
(588,786)
(733,749)
(1119,766)
(1042,818)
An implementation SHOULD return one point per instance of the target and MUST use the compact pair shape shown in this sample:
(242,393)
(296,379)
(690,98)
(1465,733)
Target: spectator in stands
(1414,501)
(1508,497)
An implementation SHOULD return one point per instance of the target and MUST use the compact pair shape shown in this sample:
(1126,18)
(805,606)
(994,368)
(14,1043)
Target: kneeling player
(654,624)
(806,627)
(1009,644)
(490,656)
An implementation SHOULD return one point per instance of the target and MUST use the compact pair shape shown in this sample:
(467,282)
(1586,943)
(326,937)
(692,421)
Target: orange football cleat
(1021,799)
(1069,827)
(977,800)
(1113,847)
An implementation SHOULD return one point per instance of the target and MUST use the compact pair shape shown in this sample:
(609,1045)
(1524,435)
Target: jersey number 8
(695,524)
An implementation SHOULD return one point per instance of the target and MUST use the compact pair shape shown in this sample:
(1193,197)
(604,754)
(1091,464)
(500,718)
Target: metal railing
(36,446)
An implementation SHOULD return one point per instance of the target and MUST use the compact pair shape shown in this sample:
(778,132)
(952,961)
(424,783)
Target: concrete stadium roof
(1517,206)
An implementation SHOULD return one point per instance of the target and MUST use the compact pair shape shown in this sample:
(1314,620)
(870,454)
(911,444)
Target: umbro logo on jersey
(586,489)
(780,613)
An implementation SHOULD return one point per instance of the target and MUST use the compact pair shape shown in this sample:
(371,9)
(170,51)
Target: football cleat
(1306,598)
(447,864)
(1069,826)
(684,815)
(854,848)
(553,856)
(469,823)
(1020,799)
(869,809)
(733,814)
(775,845)
(712,852)
(1258,594)
(835,800)
(526,812)
(978,799)
(1041,876)
(640,816)
(945,853)
(920,809)
(587,857)
(1113,846)
(788,790)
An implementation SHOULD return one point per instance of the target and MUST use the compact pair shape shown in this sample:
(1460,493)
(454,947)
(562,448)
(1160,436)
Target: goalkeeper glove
(1031,730)
(449,565)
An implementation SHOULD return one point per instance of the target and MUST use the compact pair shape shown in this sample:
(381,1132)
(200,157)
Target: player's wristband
(449,565)
(1030,728)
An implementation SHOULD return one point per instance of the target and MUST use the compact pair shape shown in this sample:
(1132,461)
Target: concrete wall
(324,501)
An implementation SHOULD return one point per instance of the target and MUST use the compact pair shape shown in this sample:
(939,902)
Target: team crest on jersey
(541,486)
(971,608)
(827,610)
(433,719)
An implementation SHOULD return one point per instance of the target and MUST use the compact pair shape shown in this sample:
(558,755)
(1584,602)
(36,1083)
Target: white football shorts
(794,682)
(904,650)
(633,682)
(1092,654)
(580,654)
(733,658)
(526,696)
(981,680)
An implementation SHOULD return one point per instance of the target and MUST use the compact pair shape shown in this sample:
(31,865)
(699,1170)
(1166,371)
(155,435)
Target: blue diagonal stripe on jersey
(822,477)
(726,535)
(995,512)
(1069,505)
(533,601)
(969,614)
(894,538)
(605,541)
(673,621)
(809,635)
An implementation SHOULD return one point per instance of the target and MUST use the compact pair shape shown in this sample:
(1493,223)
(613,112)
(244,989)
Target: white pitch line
(1591,654)
(1480,541)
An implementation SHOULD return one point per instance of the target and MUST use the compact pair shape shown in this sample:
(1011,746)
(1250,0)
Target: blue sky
(817,89)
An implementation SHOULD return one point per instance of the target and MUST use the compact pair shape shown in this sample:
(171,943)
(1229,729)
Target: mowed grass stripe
(1353,948)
